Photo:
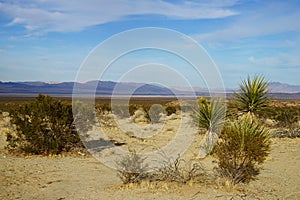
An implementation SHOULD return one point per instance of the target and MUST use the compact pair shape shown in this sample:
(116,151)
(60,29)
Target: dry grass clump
(180,171)
(132,169)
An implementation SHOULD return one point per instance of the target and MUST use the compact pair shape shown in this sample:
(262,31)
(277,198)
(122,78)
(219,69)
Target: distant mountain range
(107,87)
(66,88)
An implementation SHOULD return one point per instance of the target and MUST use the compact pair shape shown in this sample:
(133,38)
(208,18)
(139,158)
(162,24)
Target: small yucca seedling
(252,95)
(242,147)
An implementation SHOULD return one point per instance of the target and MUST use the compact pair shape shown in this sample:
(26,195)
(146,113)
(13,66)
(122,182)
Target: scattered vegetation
(47,126)
(283,119)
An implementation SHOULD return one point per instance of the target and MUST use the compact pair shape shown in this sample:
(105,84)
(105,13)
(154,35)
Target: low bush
(242,147)
(172,109)
(179,171)
(131,168)
(44,126)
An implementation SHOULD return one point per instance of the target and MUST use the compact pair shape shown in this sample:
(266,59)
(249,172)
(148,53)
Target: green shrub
(287,116)
(242,147)
(44,126)
(172,110)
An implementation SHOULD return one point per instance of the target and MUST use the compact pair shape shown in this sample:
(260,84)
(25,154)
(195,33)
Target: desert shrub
(242,147)
(172,110)
(285,120)
(84,116)
(44,126)
(103,108)
(253,94)
(132,108)
(131,168)
(179,171)
(140,116)
(155,112)
(287,116)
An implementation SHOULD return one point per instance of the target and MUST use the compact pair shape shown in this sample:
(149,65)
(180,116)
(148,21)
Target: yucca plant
(242,147)
(210,116)
(253,94)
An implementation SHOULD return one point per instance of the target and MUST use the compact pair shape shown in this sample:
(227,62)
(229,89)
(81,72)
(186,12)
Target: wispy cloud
(282,60)
(273,18)
(67,16)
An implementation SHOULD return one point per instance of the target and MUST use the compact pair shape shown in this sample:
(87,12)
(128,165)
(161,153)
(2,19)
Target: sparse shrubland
(284,118)
(47,126)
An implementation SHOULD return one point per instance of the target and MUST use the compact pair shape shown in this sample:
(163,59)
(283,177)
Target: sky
(49,40)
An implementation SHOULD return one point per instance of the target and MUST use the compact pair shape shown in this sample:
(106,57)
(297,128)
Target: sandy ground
(84,177)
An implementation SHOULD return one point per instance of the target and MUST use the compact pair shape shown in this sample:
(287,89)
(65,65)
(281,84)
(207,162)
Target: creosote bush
(44,126)
(242,147)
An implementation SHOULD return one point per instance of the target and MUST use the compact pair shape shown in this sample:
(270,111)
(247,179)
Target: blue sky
(47,40)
